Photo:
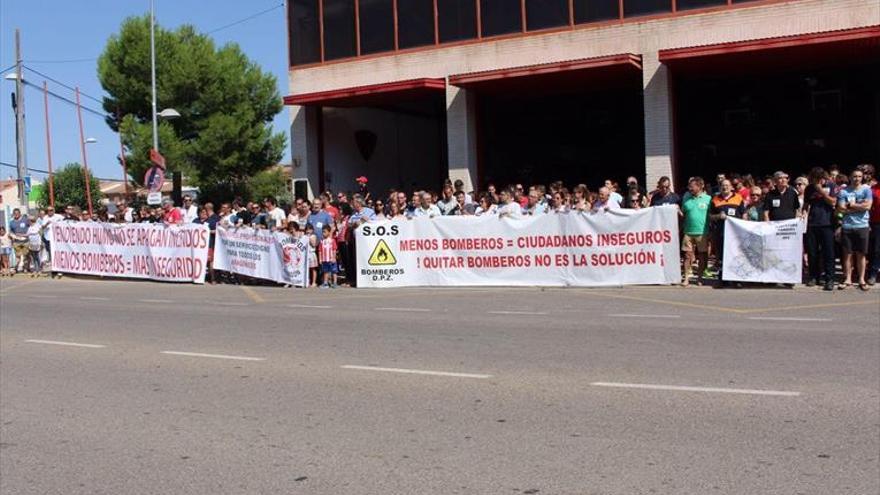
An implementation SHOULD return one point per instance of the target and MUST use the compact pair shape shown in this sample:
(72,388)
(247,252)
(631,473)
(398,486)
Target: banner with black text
(768,252)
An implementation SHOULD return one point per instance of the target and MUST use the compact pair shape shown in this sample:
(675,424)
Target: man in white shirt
(122,209)
(46,224)
(509,208)
(605,202)
(277,217)
(189,211)
(426,208)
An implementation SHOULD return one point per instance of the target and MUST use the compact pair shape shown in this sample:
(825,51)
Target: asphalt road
(111,387)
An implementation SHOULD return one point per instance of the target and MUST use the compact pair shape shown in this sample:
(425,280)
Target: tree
(70,189)
(226,103)
(272,182)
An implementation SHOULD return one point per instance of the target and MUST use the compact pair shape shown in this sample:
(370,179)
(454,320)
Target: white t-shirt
(277,217)
(189,214)
(512,210)
(46,223)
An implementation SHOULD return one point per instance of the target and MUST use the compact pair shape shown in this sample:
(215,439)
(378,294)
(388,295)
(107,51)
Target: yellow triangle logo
(382,255)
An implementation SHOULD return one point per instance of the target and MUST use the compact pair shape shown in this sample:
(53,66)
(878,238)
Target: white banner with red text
(262,254)
(768,252)
(614,248)
(175,253)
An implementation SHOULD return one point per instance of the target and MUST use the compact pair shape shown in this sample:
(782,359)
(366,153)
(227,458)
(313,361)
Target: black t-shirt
(782,206)
(669,199)
(821,213)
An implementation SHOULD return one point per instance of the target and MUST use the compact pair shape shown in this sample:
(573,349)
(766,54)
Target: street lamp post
(153,74)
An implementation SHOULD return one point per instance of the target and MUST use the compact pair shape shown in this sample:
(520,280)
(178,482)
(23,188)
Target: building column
(304,146)
(461,136)
(659,144)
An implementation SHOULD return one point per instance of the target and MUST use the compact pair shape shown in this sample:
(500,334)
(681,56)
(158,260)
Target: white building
(410,92)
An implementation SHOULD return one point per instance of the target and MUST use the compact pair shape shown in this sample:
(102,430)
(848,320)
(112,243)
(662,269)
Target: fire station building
(409,92)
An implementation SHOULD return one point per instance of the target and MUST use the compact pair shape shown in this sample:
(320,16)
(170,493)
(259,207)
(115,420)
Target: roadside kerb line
(68,344)
(679,388)
(215,356)
(416,372)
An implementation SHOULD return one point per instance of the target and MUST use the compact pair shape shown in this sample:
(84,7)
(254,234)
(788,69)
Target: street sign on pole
(157,159)
(154,179)
(154,198)
(27,184)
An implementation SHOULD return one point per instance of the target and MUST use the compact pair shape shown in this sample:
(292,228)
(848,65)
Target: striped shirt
(327,250)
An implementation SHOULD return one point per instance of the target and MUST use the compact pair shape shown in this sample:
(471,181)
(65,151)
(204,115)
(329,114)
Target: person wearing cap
(782,202)
(171,215)
(362,188)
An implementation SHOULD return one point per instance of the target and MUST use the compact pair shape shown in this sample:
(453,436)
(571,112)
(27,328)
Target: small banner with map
(767,252)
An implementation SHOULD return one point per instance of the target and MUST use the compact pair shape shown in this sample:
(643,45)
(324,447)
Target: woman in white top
(561,201)
(581,200)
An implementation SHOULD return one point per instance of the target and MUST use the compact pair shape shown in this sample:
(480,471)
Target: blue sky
(56,30)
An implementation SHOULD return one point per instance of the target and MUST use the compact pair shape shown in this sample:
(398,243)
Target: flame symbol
(382,256)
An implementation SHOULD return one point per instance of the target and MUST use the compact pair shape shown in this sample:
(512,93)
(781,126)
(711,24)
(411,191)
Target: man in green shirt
(695,243)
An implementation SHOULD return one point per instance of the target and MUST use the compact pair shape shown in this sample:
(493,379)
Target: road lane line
(69,344)
(158,301)
(696,389)
(215,356)
(533,313)
(620,315)
(90,298)
(410,310)
(309,306)
(41,296)
(415,372)
(786,318)
(251,293)
(235,304)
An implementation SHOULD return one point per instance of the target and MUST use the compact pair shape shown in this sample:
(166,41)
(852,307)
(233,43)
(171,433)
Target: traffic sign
(27,184)
(154,179)
(157,158)
(154,198)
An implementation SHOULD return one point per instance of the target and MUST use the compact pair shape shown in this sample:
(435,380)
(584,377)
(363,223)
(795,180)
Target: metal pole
(122,153)
(153,74)
(20,147)
(82,144)
(49,146)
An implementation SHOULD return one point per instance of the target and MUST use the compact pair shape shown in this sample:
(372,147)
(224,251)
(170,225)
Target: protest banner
(259,253)
(176,253)
(768,252)
(613,248)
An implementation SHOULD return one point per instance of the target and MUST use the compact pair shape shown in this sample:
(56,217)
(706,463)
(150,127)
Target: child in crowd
(313,257)
(328,258)
(35,246)
(5,252)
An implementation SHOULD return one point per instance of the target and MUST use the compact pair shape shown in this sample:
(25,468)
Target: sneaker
(829,285)
(871,280)
(325,286)
(811,283)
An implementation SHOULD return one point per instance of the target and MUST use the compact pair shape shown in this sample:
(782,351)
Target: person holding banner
(782,202)
(854,203)
(726,203)
(509,208)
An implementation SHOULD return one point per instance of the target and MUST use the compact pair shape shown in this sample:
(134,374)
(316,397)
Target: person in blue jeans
(854,203)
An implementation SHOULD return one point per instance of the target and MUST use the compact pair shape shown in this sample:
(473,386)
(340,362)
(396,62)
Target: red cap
(361,179)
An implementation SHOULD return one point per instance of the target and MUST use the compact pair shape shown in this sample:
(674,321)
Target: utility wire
(240,21)
(46,172)
(8,69)
(56,81)
(68,100)
(69,61)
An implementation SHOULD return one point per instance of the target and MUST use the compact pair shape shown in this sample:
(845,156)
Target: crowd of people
(841,211)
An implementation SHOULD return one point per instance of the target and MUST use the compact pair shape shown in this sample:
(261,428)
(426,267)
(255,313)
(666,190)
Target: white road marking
(215,356)
(696,389)
(620,315)
(235,304)
(69,344)
(533,313)
(40,296)
(156,301)
(416,372)
(785,318)
(310,306)
(89,298)
(411,310)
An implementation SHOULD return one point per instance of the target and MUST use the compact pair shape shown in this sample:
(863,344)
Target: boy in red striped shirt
(327,255)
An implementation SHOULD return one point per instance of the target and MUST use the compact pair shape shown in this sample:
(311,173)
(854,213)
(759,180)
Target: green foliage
(226,104)
(271,182)
(70,189)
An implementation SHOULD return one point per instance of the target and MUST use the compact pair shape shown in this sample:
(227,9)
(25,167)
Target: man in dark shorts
(854,203)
